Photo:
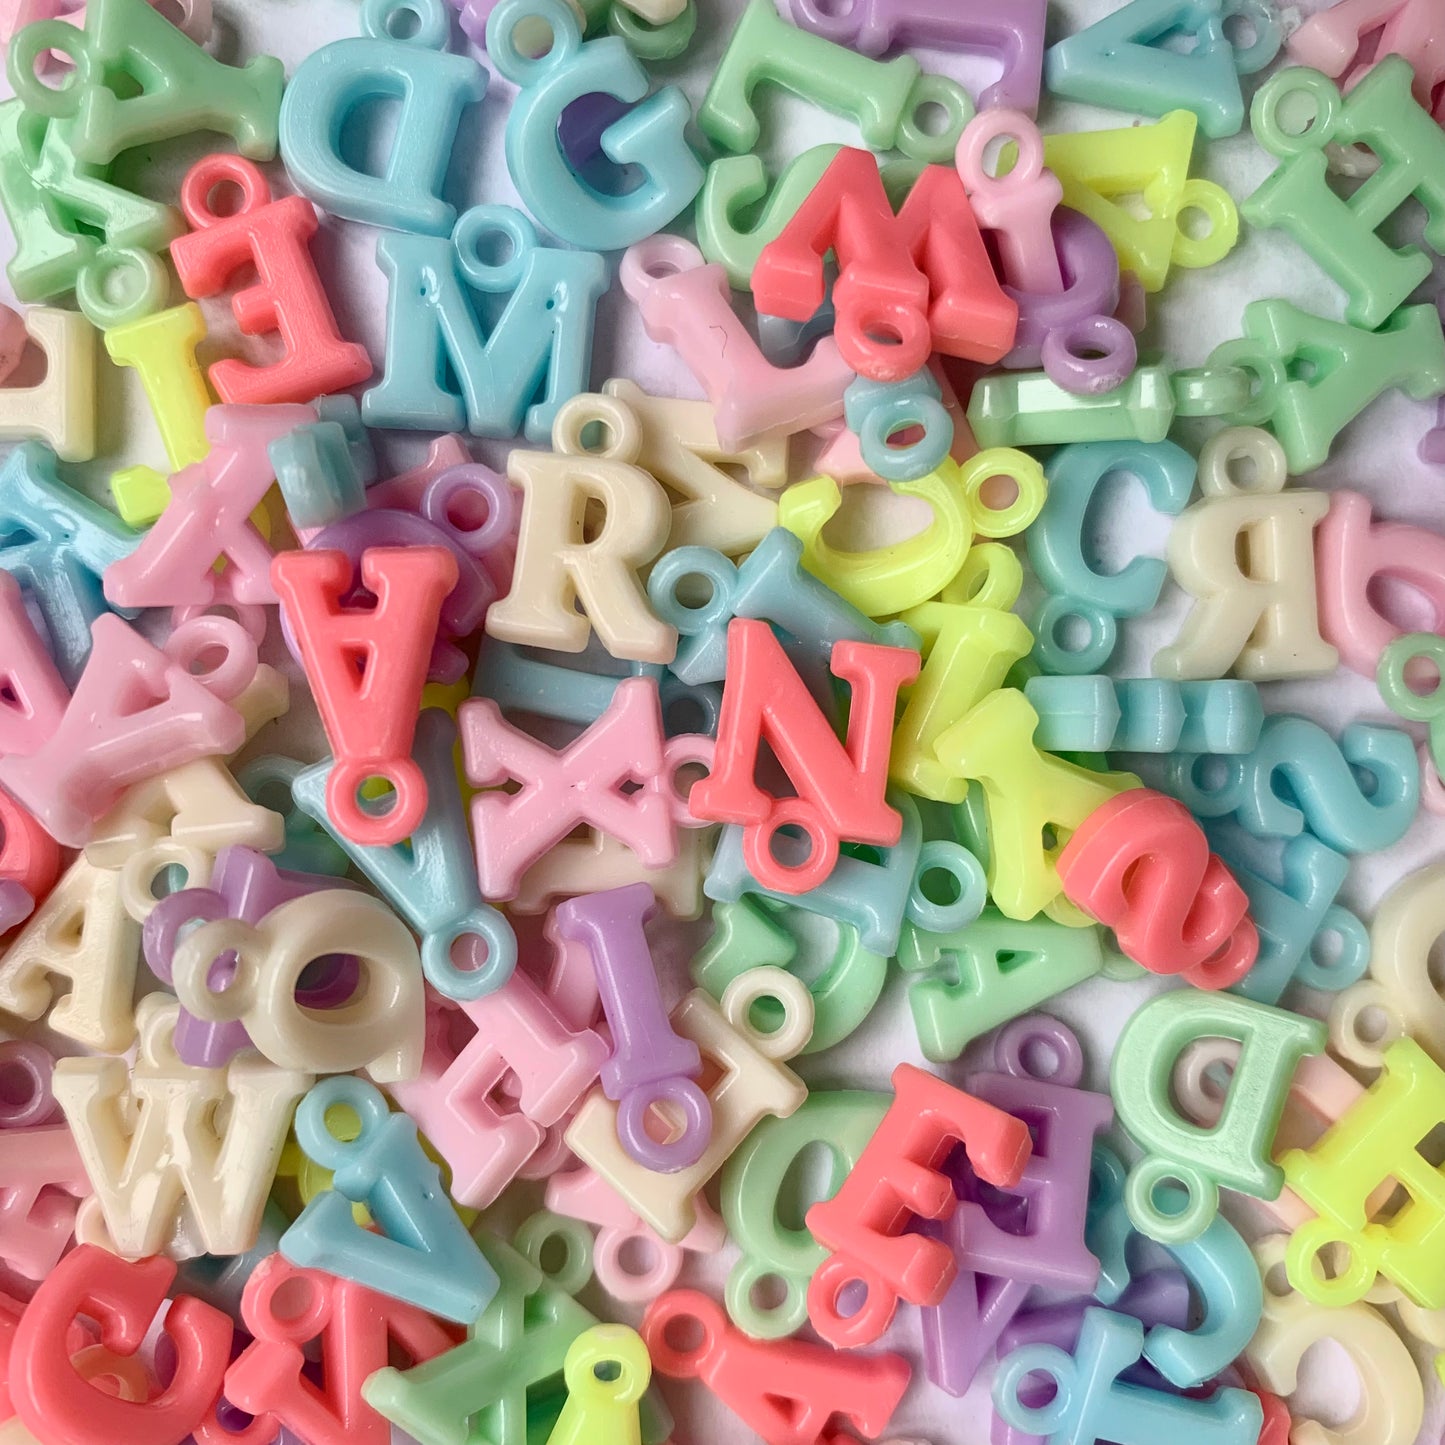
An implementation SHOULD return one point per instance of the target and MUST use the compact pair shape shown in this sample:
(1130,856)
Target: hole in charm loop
(25,1097)
(493,244)
(934,119)
(216,170)
(792,821)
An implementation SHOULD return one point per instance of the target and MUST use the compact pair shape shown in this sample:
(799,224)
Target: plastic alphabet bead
(650,135)
(1391,1401)
(72,225)
(897,1176)
(1045,1244)
(1083,347)
(1018,206)
(1119,62)
(755,929)
(687,305)
(478,1392)
(1160,1297)
(323,467)
(171,86)
(1293,914)
(1332,41)
(60,410)
(1354,556)
(288,297)
(899,576)
(967,651)
(1059,542)
(511,377)
(1141,864)
(80,932)
(432,90)
(378,1029)
(424,1254)
(26,1068)
(288,1311)
(34,695)
(1325,793)
(595,860)
(45,1178)
(678,443)
(1247,555)
(161,350)
(649,41)
(1028,793)
(583,1195)
(1030,409)
(752,1082)
(650,1064)
(305,846)
(538,1237)
(840,457)
(583,783)
(1342,234)
(905,574)
(517,681)
(136,711)
(770,585)
(120,285)
(1218,1267)
(244,884)
(208,519)
(921,278)
(464,602)
(840,792)
(1375,1142)
(1072,636)
(871,899)
(55,1402)
(882,98)
(734,186)
(784,1391)
(1100,168)
(165,1169)
(518,1030)
(1349,368)
(61,543)
(877,411)
(429,878)
(873,27)
(1096,714)
(753,1194)
(369,709)
(1234,1153)
(959,1333)
(1320,1093)
(183,818)
(1091,1403)
(1406,926)
(57,204)
(965,982)
(607,1368)
(557,567)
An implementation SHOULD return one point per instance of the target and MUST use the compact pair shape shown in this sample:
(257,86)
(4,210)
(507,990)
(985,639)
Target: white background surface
(1196,311)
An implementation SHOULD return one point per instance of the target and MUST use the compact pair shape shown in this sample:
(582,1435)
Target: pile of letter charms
(600,807)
